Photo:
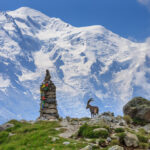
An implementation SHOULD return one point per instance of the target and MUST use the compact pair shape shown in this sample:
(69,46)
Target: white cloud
(145,2)
(4,82)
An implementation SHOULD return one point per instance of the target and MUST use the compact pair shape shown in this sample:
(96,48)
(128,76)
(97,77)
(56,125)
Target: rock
(70,129)
(107,117)
(23,121)
(108,113)
(6,126)
(31,122)
(11,134)
(100,129)
(101,120)
(74,122)
(48,106)
(55,139)
(116,147)
(113,136)
(139,108)
(131,140)
(108,139)
(88,140)
(97,141)
(58,129)
(49,111)
(68,118)
(51,118)
(103,143)
(66,143)
(88,147)
(122,122)
(64,123)
(147,128)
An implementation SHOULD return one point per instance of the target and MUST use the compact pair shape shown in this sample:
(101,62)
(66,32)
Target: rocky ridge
(104,131)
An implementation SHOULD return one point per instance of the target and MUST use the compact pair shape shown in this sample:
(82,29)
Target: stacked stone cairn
(48,106)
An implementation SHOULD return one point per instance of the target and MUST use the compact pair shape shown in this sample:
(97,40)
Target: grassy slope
(37,136)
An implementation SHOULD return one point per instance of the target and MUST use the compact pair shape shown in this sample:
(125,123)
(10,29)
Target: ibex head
(88,103)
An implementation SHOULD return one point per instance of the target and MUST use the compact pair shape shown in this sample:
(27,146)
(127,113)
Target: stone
(11,134)
(47,76)
(88,147)
(103,143)
(131,140)
(31,122)
(122,122)
(70,129)
(68,118)
(48,109)
(49,117)
(113,136)
(108,139)
(6,126)
(138,108)
(66,143)
(55,139)
(116,147)
(58,129)
(108,113)
(108,118)
(147,128)
(74,122)
(23,121)
(52,106)
(100,129)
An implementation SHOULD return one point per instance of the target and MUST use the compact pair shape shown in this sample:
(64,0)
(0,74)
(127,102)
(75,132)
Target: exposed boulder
(147,128)
(138,108)
(131,140)
(100,129)
(116,147)
(66,143)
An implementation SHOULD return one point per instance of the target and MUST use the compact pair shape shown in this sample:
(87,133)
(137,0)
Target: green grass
(128,119)
(87,132)
(137,121)
(119,130)
(101,142)
(37,136)
(142,138)
(121,137)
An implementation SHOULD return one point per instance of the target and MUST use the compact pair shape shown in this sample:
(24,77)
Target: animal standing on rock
(93,109)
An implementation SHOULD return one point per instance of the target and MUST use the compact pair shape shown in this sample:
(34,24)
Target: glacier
(84,62)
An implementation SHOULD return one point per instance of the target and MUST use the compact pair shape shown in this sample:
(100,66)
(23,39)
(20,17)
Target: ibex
(93,109)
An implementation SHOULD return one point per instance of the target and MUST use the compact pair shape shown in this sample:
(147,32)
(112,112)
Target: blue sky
(128,18)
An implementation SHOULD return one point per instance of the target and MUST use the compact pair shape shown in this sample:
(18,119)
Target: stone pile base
(48,108)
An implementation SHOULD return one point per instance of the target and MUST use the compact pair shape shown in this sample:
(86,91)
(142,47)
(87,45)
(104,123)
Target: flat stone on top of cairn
(48,106)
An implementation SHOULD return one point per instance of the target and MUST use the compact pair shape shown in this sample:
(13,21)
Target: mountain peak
(23,12)
(38,18)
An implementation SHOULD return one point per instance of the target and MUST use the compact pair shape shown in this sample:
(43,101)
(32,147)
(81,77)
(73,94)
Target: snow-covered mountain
(84,62)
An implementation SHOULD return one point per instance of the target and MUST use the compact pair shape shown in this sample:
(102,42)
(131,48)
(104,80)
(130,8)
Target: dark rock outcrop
(138,108)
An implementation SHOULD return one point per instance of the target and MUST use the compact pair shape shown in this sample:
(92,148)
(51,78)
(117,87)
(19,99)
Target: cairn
(48,106)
